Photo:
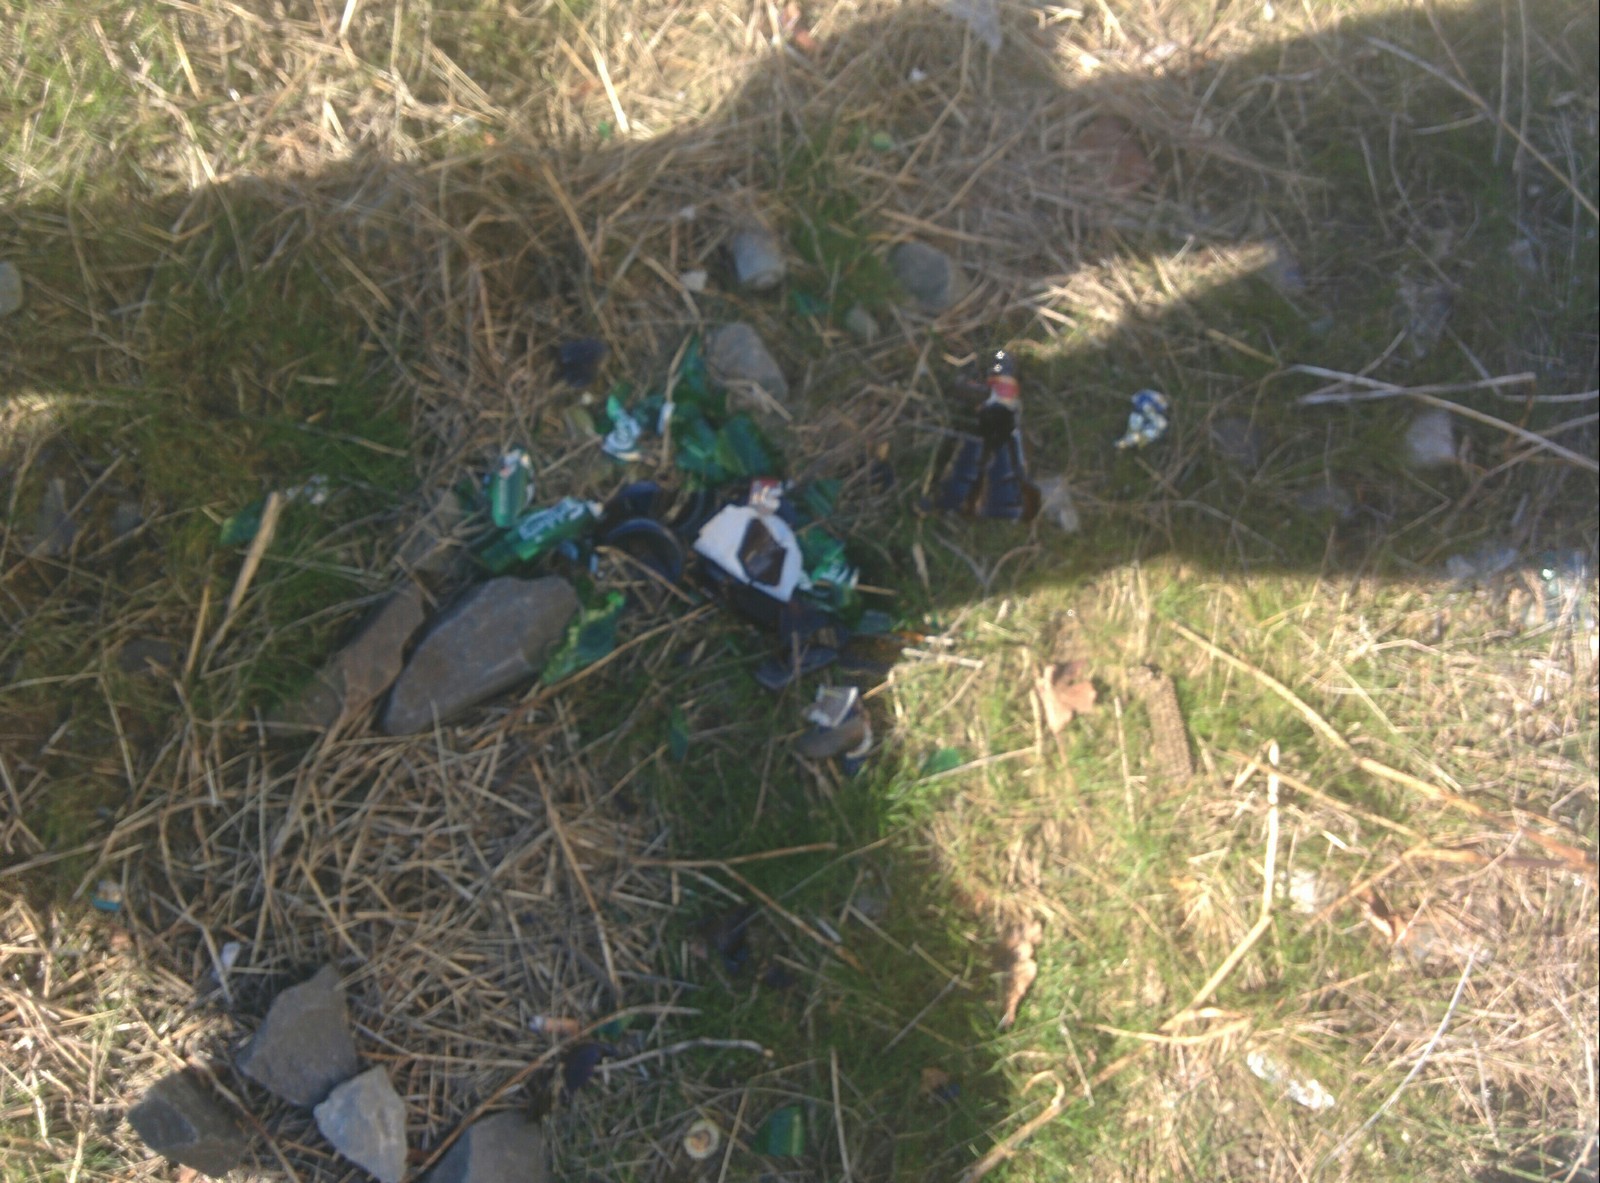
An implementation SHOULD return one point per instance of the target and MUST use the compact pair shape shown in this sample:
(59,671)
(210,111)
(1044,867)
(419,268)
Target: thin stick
(738,859)
(1472,97)
(1263,922)
(583,881)
(838,1112)
(1386,390)
(688,1045)
(1574,856)
(839,951)
(1433,1041)
(247,573)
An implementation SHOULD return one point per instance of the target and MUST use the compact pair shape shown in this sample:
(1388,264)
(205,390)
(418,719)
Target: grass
(369,291)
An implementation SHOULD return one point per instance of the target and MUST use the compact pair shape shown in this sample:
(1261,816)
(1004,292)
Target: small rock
(861,324)
(53,527)
(502,1148)
(1427,311)
(1056,504)
(757,259)
(1431,439)
(928,275)
(498,634)
(365,1119)
(737,358)
(10,288)
(356,675)
(1238,442)
(432,544)
(178,1119)
(148,656)
(694,280)
(303,1048)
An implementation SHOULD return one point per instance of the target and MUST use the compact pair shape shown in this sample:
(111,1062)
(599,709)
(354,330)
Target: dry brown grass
(443,175)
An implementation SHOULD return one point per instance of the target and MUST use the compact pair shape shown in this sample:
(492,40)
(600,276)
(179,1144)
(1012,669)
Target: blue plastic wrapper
(1147,422)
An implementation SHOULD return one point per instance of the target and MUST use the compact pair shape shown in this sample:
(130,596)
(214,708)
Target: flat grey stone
(178,1118)
(365,1119)
(498,634)
(303,1048)
(502,1148)
(926,274)
(738,358)
(10,289)
(356,675)
(758,262)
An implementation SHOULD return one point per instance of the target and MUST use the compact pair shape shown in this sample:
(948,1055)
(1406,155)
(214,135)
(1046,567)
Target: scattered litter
(228,957)
(783,1134)
(943,760)
(579,360)
(509,488)
(590,636)
(1431,439)
(986,474)
(702,1140)
(239,528)
(792,22)
(693,281)
(622,441)
(758,262)
(881,141)
(1275,1073)
(1065,692)
(314,492)
(540,532)
(1565,578)
(554,1026)
(1147,421)
(1169,737)
(752,544)
(10,288)
(1023,969)
(840,726)
(1306,895)
(107,896)
(578,1065)
(917,75)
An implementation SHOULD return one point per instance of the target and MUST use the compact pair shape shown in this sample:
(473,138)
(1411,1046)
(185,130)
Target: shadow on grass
(383,323)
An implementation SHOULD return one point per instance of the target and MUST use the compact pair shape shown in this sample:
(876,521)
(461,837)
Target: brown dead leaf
(799,33)
(1020,943)
(1121,162)
(933,1079)
(1376,913)
(1065,693)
